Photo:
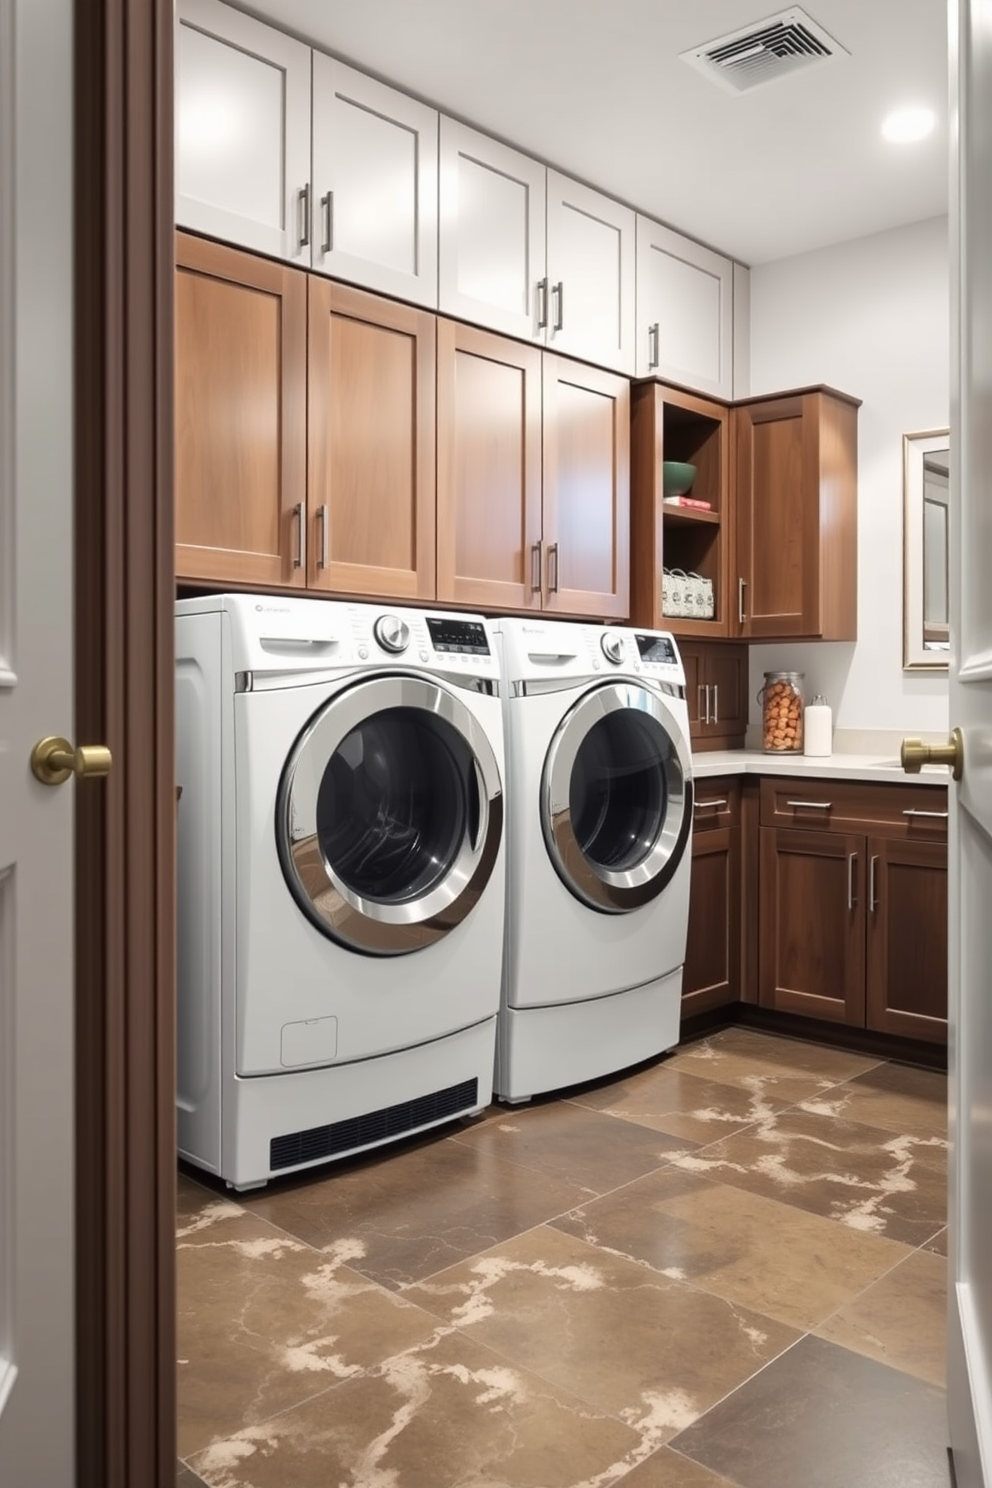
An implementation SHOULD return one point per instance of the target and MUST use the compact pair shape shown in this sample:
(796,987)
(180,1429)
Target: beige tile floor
(723,1268)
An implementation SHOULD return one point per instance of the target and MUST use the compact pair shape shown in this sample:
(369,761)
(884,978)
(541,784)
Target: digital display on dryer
(656,648)
(466,637)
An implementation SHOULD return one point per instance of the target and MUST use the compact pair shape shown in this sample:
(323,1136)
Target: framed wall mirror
(926,629)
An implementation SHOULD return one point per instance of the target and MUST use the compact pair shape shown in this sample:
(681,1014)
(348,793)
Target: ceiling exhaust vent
(764,51)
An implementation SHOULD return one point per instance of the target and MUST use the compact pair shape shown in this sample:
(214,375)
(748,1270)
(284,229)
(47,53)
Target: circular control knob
(392,633)
(612,645)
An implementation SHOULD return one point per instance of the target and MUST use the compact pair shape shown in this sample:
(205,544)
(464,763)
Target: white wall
(870,317)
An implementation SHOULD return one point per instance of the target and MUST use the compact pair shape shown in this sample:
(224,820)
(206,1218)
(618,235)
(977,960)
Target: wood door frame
(122,218)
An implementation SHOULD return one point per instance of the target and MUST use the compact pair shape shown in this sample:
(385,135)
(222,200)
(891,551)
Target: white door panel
(970,856)
(591,261)
(242,131)
(685,296)
(491,248)
(37,1231)
(375,184)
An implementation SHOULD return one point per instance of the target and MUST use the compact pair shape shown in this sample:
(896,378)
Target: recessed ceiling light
(904,126)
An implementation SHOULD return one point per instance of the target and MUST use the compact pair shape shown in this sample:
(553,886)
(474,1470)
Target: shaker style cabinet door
(241,416)
(491,248)
(242,126)
(371,444)
(590,275)
(685,311)
(586,490)
(489,470)
(374,184)
(907,938)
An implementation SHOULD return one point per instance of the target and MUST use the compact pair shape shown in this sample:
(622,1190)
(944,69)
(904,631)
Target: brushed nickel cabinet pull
(298,515)
(322,514)
(654,355)
(558,292)
(713,805)
(851,863)
(716,702)
(812,805)
(304,208)
(703,702)
(872,901)
(553,567)
(542,303)
(914,811)
(741,586)
(535,567)
(327,204)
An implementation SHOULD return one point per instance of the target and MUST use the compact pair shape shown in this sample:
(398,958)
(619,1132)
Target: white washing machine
(340,877)
(599,817)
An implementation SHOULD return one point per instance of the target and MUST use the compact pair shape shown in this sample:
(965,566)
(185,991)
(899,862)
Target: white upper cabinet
(590,275)
(491,249)
(242,131)
(374,184)
(685,311)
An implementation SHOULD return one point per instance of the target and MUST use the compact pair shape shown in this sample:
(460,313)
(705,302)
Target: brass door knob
(915,754)
(53,760)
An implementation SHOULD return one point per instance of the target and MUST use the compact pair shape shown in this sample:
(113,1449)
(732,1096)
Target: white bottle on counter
(818,727)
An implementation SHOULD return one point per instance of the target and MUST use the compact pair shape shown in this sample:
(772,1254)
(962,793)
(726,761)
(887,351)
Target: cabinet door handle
(716,702)
(327,206)
(553,568)
(542,304)
(872,901)
(535,567)
(298,516)
(304,210)
(654,355)
(809,805)
(914,811)
(713,805)
(703,702)
(558,292)
(852,860)
(322,516)
(741,586)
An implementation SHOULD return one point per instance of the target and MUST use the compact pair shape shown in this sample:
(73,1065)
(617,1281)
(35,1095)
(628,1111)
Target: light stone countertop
(838,766)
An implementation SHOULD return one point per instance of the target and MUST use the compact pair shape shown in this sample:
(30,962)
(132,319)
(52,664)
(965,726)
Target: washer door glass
(389,816)
(616,797)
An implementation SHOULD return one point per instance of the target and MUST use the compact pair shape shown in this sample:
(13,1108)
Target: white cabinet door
(242,131)
(590,275)
(374,184)
(685,311)
(491,246)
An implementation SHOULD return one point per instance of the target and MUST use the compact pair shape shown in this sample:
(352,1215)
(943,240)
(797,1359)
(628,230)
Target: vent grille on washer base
(375,1126)
(764,51)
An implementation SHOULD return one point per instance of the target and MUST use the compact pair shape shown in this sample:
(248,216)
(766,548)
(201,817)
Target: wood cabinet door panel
(907,939)
(916,813)
(812,924)
(727,674)
(371,444)
(489,470)
(240,391)
(586,490)
(777,482)
(711,975)
(374,183)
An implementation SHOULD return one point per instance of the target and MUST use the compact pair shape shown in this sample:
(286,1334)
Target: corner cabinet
(533,478)
(795,479)
(240,417)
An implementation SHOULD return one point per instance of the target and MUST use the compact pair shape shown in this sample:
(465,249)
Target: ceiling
(599,91)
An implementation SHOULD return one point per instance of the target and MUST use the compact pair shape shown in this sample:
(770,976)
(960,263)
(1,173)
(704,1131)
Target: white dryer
(340,877)
(599,817)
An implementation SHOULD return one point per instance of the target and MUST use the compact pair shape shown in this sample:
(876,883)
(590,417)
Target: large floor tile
(781,1069)
(674,1101)
(447,1415)
(823,1417)
(754,1251)
(409,1213)
(265,1322)
(187,1478)
(867,1178)
(901,1320)
(938,1244)
(655,1352)
(668,1469)
(897,1097)
(563,1141)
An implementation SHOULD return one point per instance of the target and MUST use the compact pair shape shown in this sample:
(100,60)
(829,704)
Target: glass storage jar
(781,701)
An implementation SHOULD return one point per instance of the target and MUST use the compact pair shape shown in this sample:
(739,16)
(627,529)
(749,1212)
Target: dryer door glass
(389,816)
(617,798)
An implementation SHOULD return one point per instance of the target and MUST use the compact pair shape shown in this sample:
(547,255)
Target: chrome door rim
(360,923)
(609,890)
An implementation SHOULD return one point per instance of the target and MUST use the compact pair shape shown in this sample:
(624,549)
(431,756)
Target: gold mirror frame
(920,652)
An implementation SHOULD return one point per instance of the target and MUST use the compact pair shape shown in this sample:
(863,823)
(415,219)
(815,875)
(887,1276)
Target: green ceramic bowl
(677,478)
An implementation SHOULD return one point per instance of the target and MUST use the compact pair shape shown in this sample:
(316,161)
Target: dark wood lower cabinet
(907,939)
(711,977)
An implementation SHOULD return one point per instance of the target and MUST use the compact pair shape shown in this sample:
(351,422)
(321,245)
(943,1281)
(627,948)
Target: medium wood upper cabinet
(685,311)
(591,277)
(242,120)
(795,481)
(711,976)
(533,480)
(241,417)
(371,444)
(853,904)
(716,677)
(374,200)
